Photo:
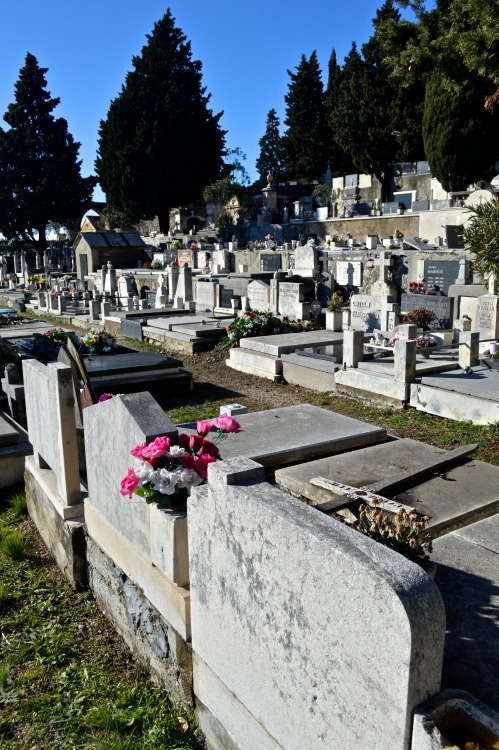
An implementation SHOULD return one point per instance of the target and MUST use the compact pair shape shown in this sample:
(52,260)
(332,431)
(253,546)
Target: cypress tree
(305,140)
(461,138)
(160,144)
(40,179)
(270,159)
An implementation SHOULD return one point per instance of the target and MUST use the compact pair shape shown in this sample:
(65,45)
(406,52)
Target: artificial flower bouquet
(165,470)
(426,342)
(96,341)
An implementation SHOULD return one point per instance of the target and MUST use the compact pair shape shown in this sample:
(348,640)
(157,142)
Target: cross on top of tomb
(385,265)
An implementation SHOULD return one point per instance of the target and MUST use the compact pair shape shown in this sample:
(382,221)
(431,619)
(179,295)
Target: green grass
(18,504)
(66,679)
(14,545)
(192,411)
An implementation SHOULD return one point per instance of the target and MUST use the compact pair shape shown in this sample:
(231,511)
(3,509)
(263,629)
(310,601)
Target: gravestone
(307,260)
(384,287)
(441,273)
(487,316)
(226,297)
(270,262)
(258,294)
(349,273)
(390,207)
(184,256)
(125,289)
(161,294)
(442,307)
(83,265)
(291,301)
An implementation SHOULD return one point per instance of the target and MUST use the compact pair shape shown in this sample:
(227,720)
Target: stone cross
(385,264)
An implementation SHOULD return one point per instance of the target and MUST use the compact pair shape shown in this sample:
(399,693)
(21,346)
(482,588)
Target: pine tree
(40,179)
(305,140)
(160,144)
(270,159)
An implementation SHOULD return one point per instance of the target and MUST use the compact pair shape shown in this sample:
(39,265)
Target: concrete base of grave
(452,405)
(151,638)
(372,388)
(180,343)
(255,363)
(454,709)
(308,372)
(237,720)
(64,537)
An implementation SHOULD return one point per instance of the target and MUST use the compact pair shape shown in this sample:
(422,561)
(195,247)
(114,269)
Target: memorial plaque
(453,237)
(151,299)
(349,273)
(270,262)
(390,208)
(366,312)
(442,307)
(487,316)
(441,273)
(81,286)
(170,256)
(226,297)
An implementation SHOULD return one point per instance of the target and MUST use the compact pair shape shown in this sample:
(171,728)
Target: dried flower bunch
(405,534)
(420,316)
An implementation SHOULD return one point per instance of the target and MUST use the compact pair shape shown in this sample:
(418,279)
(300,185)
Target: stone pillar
(95,308)
(461,324)
(407,331)
(468,349)
(105,310)
(353,348)
(61,304)
(404,361)
(144,304)
(346,318)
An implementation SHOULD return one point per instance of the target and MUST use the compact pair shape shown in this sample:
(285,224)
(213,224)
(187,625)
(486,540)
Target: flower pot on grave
(493,347)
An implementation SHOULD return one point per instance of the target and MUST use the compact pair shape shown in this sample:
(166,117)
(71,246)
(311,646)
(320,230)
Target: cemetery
(224,601)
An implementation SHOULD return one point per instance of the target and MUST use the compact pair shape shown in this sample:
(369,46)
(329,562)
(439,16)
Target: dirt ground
(213,380)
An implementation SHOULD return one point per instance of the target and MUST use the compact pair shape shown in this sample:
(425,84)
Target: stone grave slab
(289,342)
(8,433)
(482,383)
(115,364)
(292,433)
(211,328)
(132,327)
(25,330)
(455,497)
(166,324)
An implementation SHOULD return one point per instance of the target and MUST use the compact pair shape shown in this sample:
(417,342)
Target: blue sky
(246,50)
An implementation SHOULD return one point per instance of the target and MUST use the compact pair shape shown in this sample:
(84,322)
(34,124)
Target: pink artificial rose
(226,423)
(157,448)
(129,484)
(137,451)
(203,426)
(201,464)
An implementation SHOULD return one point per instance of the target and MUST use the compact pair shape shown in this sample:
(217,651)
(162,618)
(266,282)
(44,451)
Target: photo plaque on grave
(226,296)
(442,308)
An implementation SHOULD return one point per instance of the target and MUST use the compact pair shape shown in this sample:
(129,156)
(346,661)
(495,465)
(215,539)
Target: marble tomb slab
(292,433)
(114,364)
(288,342)
(482,383)
(454,497)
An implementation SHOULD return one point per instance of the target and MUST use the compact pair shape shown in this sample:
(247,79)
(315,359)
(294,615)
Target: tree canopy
(305,140)
(160,144)
(40,179)
(270,159)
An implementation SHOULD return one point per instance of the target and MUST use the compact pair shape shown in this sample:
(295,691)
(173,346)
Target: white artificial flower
(166,481)
(143,471)
(189,478)
(176,451)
